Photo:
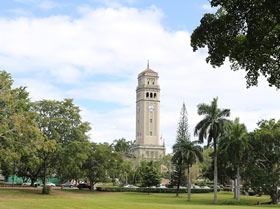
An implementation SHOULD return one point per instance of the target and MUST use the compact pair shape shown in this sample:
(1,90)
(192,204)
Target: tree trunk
(45,173)
(179,181)
(189,185)
(215,173)
(32,181)
(234,187)
(91,186)
(274,197)
(238,184)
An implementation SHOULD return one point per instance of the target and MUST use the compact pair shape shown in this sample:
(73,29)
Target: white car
(50,184)
(130,186)
(162,186)
(205,187)
(26,184)
(195,187)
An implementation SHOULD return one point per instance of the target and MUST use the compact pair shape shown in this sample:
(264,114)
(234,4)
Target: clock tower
(148,145)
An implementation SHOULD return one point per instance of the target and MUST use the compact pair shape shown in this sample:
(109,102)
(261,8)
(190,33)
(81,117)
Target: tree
(99,162)
(60,122)
(248,33)
(206,165)
(19,133)
(211,127)
(121,145)
(186,153)
(262,170)
(71,160)
(192,155)
(150,174)
(235,144)
(178,152)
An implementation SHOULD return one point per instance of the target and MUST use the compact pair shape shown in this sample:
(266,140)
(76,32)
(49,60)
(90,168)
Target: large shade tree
(19,133)
(211,128)
(246,32)
(60,123)
(262,170)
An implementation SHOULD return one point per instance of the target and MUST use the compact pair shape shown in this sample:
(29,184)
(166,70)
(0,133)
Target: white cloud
(47,4)
(83,52)
(207,7)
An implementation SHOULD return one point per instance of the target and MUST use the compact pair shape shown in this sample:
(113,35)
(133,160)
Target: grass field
(11,198)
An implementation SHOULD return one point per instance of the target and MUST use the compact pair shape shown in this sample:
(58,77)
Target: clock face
(151,108)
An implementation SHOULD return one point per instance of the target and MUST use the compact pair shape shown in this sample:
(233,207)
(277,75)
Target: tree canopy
(248,33)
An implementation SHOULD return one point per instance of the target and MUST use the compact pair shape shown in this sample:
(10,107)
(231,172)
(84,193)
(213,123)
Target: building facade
(148,145)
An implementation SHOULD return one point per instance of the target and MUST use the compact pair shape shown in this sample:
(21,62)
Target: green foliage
(183,126)
(61,125)
(175,176)
(150,174)
(262,169)
(72,159)
(211,127)
(121,145)
(46,190)
(248,33)
(151,190)
(101,162)
(185,152)
(19,133)
(207,163)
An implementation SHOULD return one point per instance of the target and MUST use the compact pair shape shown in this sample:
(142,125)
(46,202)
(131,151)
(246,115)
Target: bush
(150,190)
(46,190)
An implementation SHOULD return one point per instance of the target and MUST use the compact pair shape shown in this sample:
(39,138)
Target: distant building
(148,145)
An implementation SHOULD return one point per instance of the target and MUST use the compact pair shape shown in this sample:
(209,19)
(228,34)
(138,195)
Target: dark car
(83,186)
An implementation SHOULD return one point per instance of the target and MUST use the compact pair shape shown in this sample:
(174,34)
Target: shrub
(151,190)
(46,190)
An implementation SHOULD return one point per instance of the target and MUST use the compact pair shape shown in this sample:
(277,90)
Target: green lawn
(31,198)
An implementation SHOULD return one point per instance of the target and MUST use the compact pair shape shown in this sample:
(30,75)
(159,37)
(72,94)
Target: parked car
(205,187)
(83,186)
(50,184)
(68,184)
(195,186)
(162,186)
(26,184)
(130,186)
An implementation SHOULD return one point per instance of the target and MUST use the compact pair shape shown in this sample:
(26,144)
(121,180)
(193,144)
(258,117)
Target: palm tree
(235,144)
(185,155)
(211,128)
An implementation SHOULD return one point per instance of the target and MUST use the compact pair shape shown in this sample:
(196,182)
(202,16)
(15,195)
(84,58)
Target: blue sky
(93,50)
(178,14)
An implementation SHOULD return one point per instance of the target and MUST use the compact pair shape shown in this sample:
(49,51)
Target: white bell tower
(148,117)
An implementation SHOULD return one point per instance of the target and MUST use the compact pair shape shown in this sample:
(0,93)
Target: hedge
(151,190)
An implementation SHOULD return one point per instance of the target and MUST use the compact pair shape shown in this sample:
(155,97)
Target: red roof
(148,70)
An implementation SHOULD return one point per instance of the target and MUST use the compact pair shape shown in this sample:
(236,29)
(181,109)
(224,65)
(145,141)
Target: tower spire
(148,65)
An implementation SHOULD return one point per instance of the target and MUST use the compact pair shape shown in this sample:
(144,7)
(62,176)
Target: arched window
(151,95)
(155,95)
(147,94)
(148,82)
(153,83)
